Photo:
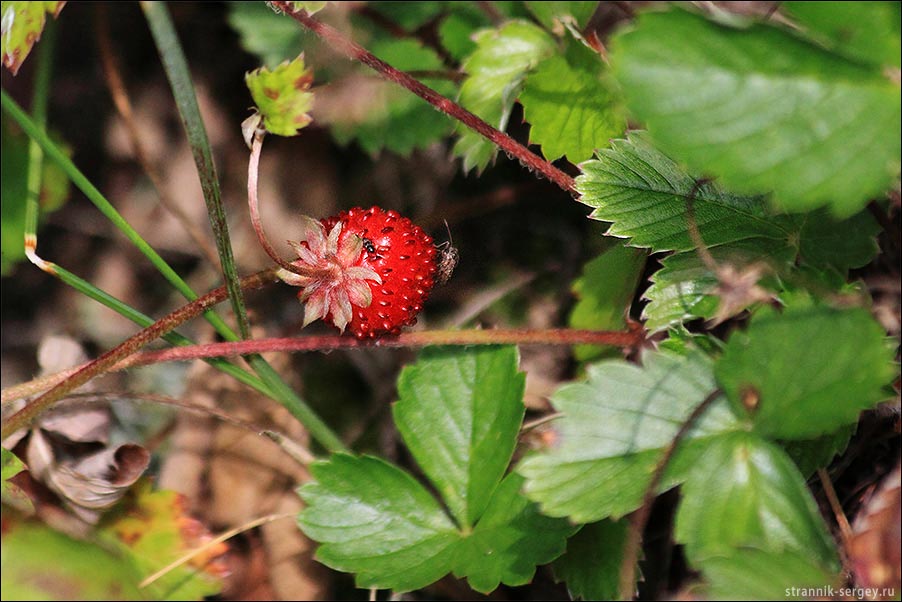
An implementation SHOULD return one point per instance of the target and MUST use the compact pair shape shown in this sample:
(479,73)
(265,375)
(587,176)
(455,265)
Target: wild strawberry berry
(370,271)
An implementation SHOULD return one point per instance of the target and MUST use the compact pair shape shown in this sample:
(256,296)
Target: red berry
(371,271)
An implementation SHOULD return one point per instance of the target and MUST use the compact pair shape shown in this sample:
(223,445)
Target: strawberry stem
(354,51)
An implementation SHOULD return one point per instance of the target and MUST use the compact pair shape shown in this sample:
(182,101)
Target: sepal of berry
(333,274)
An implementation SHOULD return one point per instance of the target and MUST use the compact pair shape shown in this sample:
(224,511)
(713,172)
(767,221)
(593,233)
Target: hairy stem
(354,51)
(630,338)
(34,408)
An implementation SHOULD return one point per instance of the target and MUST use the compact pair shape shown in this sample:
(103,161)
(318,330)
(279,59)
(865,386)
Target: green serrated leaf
(555,15)
(39,563)
(394,118)
(864,31)
(644,194)
(807,371)
(811,454)
(22,25)
(495,73)
(752,574)
(282,96)
(571,106)
(605,291)
(841,244)
(271,37)
(763,110)
(747,492)
(591,565)
(614,430)
(10,493)
(684,288)
(459,413)
(377,521)
(511,538)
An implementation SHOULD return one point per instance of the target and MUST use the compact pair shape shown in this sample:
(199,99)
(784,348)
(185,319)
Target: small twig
(123,105)
(639,518)
(291,447)
(532,424)
(845,529)
(86,372)
(213,542)
(354,51)
(630,338)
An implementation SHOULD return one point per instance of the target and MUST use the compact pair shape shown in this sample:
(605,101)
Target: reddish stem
(631,338)
(356,52)
(86,372)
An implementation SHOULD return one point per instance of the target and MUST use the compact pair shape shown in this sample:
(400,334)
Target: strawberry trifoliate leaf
(745,491)
(864,31)
(282,96)
(510,539)
(394,118)
(685,288)
(605,291)
(555,15)
(613,432)
(644,193)
(826,242)
(758,109)
(495,72)
(459,413)
(806,371)
(571,106)
(591,565)
(377,521)
(22,25)
(753,574)
(811,454)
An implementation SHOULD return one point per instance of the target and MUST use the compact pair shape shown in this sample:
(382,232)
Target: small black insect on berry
(369,246)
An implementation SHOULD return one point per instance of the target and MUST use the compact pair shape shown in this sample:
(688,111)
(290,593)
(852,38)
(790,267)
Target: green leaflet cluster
(459,414)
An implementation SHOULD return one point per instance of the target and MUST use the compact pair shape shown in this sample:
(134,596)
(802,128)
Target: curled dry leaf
(874,550)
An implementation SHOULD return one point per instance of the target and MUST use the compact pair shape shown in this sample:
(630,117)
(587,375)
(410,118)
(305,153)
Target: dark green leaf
(571,107)
(644,194)
(42,564)
(840,244)
(865,31)
(763,110)
(23,23)
(394,118)
(747,492)
(752,574)
(459,413)
(811,454)
(495,73)
(375,520)
(509,541)
(605,290)
(684,288)
(614,430)
(807,371)
(591,565)
(271,37)
(554,15)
